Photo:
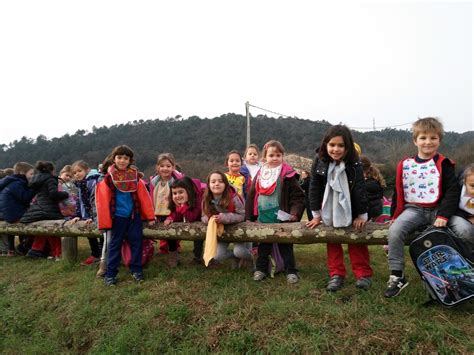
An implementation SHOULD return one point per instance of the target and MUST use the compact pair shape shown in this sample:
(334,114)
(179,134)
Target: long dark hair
(187,184)
(207,207)
(351,155)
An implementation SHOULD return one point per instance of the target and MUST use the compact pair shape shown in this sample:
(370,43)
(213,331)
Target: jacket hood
(288,171)
(7,180)
(39,179)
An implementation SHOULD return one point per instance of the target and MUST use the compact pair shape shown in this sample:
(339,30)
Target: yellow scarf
(214,230)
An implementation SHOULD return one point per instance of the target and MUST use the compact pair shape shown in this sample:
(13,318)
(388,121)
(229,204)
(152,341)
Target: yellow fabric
(237,182)
(161,195)
(214,230)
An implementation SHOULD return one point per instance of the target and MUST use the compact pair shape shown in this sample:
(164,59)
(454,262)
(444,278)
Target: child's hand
(167,222)
(88,221)
(359,223)
(151,223)
(440,222)
(74,220)
(292,218)
(316,221)
(219,218)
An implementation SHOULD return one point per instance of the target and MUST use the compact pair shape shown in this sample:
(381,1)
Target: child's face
(80,173)
(252,156)
(165,169)
(427,144)
(216,184)
(234,163)
(122,161)
(469,182)
(274,157)
(336,148)
(179,195)
(66,176)
(29,174)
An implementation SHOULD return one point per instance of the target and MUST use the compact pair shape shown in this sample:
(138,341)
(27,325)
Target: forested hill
(201,144)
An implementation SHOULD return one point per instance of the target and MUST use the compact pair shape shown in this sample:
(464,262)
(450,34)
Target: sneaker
(110,280)
(395,286)
(292,278)
(137,277)
(3,253)
(259,276)
(35,254)
(90,260)
(335,283)
(364,283)
(11,253)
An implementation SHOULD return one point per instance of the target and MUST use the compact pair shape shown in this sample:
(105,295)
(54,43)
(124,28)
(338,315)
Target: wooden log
(69,249)
(242,232)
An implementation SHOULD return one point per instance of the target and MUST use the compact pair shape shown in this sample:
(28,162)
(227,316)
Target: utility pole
(373,122)
(247,110)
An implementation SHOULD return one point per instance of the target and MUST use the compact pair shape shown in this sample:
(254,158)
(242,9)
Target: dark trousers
(96,245)
(198,249)
(286,251)
(133,230)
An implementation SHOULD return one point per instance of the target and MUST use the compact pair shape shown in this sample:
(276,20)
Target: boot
(173,259)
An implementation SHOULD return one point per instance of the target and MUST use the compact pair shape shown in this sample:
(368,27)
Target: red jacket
(103,200)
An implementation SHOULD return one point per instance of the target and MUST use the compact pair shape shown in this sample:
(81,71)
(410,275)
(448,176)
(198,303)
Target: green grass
(51,307)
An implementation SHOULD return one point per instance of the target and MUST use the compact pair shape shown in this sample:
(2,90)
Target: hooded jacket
(15,197)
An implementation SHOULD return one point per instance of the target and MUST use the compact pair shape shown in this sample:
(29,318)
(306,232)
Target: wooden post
(69,249)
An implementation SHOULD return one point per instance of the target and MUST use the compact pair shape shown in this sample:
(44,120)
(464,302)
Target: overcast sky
(68,65)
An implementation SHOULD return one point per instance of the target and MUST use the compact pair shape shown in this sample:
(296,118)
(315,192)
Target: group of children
(343,189)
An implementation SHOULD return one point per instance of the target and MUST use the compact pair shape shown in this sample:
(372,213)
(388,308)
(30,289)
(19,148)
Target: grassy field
(56,307)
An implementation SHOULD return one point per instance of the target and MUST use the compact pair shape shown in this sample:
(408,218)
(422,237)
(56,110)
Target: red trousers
(54,242)
(359,256)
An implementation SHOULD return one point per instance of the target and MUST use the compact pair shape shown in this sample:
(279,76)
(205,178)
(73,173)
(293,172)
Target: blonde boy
(426,192)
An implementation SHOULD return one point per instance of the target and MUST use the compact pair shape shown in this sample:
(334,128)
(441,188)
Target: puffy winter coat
(46,203)
(15,197)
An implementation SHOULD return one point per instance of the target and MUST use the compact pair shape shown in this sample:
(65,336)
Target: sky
(70,65)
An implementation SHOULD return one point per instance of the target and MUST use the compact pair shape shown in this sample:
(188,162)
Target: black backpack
(445,264)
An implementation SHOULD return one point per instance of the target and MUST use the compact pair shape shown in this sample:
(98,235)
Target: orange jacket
(103,197)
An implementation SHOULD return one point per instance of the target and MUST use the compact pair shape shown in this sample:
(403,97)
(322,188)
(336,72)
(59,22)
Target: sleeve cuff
(364,216)
(316,214)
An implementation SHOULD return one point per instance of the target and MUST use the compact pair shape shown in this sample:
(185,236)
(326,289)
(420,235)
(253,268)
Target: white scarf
(336,210)
(269,176)
(466,203)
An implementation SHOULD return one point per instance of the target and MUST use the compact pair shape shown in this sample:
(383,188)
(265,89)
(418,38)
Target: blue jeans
(133,229)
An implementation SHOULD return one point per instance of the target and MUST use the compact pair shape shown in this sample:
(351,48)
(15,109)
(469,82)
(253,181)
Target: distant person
(238,177)
(223,205)
(15,198)
(426,192)
(159,185)
(123,203)
(45,206)
(304,183)
(252,161)
(85,180)
(338,199)
(374,185)
(275,197)
(185,202)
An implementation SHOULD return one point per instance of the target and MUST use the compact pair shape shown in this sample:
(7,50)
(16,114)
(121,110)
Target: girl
(185,205)
(67,206)
(221,200)
(235,174)
(374,185)
(45,206)
(86,182)
(275,189)
(338,198)
(251,162)
(122,203)
(160,184)
(462,223)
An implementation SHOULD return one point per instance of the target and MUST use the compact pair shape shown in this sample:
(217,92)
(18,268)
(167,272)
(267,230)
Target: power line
(373,127)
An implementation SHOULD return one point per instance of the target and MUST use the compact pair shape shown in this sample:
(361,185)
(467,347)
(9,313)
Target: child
(122,203)
(275,189)
(221,200)
(338,198)
(45,206)
(185,205)
(304,183)
(15,198)
(374,185)
(86,181)
(235,174)
(68,206)
(251,162)
(160,184)
(426,191)
(463,222)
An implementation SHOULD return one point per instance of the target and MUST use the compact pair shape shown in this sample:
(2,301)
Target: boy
(15,197)
(426,191)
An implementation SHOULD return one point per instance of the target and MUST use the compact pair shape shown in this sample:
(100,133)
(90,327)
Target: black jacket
(46,204)
(374,196)
(15,197)
(355,177)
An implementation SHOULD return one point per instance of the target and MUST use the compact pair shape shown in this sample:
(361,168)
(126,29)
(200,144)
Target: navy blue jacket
(15,197)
